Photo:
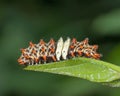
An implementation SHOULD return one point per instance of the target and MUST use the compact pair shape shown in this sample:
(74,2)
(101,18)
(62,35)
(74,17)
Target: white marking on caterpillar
(65,48)
(59,48)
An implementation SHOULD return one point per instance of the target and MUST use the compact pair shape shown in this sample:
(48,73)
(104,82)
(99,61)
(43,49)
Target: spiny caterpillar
(55,51)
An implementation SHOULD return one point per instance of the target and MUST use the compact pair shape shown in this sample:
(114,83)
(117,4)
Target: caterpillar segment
(59,48)
(65,48)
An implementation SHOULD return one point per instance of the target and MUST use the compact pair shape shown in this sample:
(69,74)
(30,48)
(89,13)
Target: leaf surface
(86,68)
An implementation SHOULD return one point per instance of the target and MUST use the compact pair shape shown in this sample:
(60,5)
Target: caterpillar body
(56,51)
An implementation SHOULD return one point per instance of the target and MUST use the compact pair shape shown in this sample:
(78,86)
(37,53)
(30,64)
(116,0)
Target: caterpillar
(56,51)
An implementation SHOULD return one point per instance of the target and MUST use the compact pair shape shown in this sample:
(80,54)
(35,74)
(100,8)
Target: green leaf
(86,68)
(115,83)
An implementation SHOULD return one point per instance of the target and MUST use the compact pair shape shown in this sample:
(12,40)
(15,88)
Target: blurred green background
(22,21)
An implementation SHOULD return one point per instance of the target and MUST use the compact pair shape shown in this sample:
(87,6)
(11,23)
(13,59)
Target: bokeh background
(22,21)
